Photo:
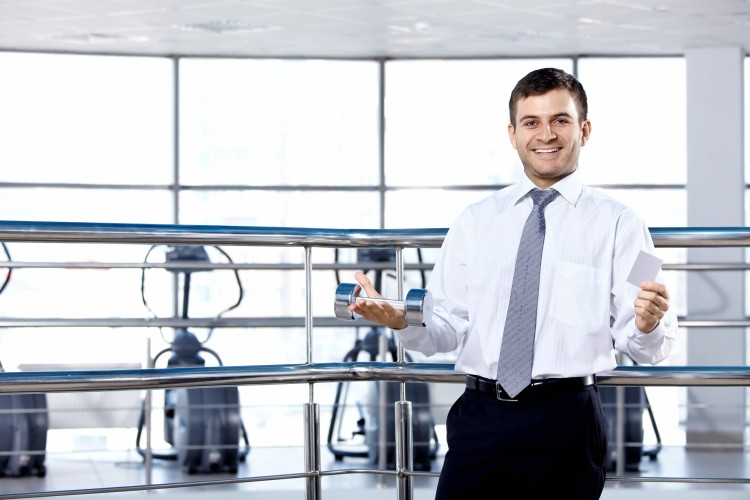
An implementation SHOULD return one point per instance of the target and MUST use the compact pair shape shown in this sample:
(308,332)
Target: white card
(645,268)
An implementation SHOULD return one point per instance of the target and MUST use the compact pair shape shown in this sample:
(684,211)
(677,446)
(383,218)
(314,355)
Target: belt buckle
(499,390)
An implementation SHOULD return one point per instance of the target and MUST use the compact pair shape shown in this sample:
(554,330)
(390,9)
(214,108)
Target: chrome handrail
(184,234)
(217,376)
(311,373)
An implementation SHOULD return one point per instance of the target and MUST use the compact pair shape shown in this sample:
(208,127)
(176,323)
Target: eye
(562,121)
(530,123)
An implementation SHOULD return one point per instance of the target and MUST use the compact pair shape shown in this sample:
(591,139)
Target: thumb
(366,285)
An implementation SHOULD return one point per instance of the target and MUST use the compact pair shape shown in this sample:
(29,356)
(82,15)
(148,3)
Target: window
(279,122)
(86,119)
(637,108)
(447,121)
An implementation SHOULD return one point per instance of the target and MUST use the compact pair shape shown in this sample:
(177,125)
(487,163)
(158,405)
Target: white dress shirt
(590,245)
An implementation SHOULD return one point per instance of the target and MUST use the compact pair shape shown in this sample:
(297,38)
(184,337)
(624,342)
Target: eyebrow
(557,115)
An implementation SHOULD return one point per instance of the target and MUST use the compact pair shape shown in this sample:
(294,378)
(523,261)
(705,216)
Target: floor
(84,461)
(68,473)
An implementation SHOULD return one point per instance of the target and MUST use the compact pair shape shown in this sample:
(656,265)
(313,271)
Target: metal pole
(148,458)
(308,303)
(404,448)
(620,427)
(312,450)
(404,431)
(311,409)
(382,419)
(620,430)
(400,291)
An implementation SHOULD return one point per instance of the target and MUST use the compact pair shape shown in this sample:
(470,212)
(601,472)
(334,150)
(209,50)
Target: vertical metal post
(382,412)
(312,450)
(620,430)
(400,292)
(148,458)
(311,409)
(403,412)
(620,427)
(404,450)
(308,303)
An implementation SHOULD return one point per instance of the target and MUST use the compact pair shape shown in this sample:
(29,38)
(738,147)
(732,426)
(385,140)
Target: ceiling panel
(373,28)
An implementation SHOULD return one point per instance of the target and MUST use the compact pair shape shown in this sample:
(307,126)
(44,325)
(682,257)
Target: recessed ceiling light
(422,26)
(221,26)
(98,38)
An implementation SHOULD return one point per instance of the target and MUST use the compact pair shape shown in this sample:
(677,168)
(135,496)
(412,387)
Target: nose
(547,133)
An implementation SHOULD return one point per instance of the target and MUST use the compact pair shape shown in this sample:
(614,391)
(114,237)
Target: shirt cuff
(410,333)
(657,334)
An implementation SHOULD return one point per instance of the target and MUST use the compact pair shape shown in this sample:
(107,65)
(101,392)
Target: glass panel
(638,113)
(639,136)
(747,123)
(658,207)
(86,205)
(278,292)
(308,209)
(428,208)
(747,250)
(663,208)
(273,122)
(86,119)
(70,291)
(447,121)
(746,150)
(79,345)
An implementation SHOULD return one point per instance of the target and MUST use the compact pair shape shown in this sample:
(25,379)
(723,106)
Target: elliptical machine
(24,422)
(202,424)
(365,441)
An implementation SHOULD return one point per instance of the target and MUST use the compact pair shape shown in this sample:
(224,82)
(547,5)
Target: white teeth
(547,150)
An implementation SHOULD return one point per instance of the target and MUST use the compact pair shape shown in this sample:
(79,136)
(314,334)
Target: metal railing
(309,372)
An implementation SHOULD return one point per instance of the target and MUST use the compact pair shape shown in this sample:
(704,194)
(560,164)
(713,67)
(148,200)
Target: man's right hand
(382,313)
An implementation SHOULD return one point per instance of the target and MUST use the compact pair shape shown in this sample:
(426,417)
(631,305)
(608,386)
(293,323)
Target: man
(549,439)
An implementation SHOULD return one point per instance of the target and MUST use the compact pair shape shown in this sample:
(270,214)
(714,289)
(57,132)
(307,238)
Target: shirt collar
(569,187)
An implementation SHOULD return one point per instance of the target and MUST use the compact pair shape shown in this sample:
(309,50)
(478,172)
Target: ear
(512,135)
(585,132)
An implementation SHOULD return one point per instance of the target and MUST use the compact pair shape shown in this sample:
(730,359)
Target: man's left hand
(650,306)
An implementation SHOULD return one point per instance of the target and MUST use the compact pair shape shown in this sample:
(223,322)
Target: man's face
(548,136)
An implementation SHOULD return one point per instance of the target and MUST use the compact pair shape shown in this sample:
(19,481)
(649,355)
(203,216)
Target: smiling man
(548,131)
(531,285)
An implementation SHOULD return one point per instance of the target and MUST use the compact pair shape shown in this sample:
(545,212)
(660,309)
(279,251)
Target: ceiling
(374,28)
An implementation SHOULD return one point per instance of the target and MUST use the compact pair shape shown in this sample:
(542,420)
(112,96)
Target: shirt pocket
(579,295)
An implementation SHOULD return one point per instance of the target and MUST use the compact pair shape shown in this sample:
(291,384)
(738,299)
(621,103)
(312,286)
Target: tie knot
(542,197)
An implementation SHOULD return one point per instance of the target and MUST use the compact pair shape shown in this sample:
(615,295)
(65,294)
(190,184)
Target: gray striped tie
(517,352)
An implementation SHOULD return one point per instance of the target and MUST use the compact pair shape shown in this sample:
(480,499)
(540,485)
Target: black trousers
(555,447)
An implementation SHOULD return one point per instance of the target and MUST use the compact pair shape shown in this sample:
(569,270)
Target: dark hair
(541,81)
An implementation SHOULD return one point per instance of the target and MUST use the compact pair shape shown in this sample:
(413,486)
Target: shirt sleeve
(446,319)
(644,348)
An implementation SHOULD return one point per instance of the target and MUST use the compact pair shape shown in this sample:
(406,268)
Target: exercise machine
(24,422)
(365,440)
(202,424)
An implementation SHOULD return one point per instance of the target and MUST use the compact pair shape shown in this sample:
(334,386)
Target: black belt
(537,389)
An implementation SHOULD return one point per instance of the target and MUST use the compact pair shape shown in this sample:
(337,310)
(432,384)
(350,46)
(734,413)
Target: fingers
(378,312)
(650,305)
(657,288)
(382,313)
(366,285)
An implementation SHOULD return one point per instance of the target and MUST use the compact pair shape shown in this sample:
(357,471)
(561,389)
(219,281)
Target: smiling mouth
(547,150)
